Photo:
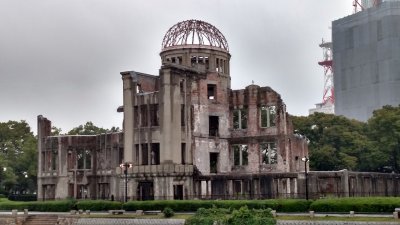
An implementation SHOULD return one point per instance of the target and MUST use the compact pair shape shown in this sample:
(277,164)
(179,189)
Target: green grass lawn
(134,216)
(306,218)
(338,218)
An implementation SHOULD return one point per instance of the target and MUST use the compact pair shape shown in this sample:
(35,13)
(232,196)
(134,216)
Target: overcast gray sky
(62,58)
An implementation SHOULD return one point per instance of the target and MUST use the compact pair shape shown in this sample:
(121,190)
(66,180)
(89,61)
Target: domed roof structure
(194,32)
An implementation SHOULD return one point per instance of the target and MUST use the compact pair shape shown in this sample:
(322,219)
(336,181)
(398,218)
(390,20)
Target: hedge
(372,204)
(47,206)
(98,205)
(287,205)
(24,198)
(366,205)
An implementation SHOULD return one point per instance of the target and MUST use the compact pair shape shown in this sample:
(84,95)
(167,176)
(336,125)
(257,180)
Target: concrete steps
(41,220)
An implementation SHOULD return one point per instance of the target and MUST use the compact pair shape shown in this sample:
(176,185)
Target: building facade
(366,56)
(188,135)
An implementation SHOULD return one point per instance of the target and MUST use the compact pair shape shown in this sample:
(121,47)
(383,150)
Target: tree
(55,131)
(335,141)
(384,131)
(88,129)
(18,154)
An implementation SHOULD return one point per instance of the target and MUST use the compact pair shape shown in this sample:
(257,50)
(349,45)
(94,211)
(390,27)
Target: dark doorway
(145,191)
(178,192)
(213,162)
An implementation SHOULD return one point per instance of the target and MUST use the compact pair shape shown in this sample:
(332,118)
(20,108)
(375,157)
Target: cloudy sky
(62,58)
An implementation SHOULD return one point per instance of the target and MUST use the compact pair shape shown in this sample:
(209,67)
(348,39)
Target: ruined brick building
(186,133)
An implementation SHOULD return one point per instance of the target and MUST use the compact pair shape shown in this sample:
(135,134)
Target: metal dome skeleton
(194,32)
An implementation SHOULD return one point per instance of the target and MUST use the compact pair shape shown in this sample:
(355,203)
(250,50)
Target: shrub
(373,204)
(246,216)
(25,197)
(241,216)
(168,212)
(284,205)
(47,206)
(98,205)
(208,216)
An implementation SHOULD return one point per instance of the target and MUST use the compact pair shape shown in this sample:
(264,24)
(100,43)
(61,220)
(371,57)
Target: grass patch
(134,216)
(339,218)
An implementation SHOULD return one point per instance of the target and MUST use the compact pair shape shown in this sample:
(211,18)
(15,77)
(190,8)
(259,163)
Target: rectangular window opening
(240,155)
(269,153)
(155,154)
(145,155)
(213,126)
(240,119)
(213,162)
(154,115)
(268,116)
(183,117)
(143,116)
(137,155)
(183,153)
(211,91)
(237,187)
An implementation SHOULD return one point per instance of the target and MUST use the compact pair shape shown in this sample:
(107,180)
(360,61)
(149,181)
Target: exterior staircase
(41,220)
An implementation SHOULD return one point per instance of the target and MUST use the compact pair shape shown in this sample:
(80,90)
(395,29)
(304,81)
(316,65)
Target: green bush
(24,198)
(286,205)
(176,205)
(373,204)
(47,206)
(208,216)
(244,216)
(98,205)
(168,212)
(241,216)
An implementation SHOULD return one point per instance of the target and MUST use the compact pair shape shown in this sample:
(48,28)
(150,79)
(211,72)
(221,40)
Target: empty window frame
(183,117)
(269,153)
(84,158)
(137,155)
(183,153)
(237,187)
(213,162)
(145,155)
(54,157)
(155,154)
(240,119)
(240,155)
(143,116)
(268,116)
(213,125)
(50,156)
(212,91)
(154,115)
(220,65)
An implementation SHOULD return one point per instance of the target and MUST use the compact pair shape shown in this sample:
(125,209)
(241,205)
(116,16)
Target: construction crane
(360,5)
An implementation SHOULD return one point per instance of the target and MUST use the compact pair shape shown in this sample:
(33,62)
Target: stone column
(170,118)
(129,93)
(43,130)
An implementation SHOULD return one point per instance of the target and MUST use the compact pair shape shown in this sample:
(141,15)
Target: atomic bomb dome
(194,33)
